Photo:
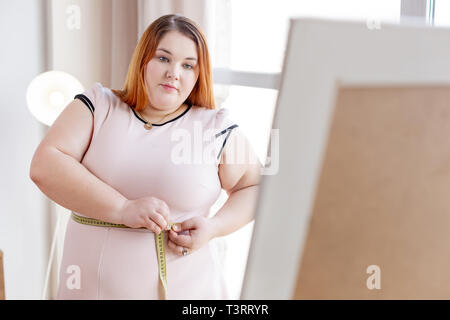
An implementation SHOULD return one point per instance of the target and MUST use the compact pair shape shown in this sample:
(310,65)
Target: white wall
(23,214)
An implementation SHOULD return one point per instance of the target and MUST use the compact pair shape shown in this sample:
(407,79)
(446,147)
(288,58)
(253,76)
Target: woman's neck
(155,115)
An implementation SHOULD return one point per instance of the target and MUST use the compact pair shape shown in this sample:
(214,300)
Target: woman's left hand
(191,234)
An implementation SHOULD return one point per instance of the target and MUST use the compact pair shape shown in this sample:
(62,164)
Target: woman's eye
(188,66)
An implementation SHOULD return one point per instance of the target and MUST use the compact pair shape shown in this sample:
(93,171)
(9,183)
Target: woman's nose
(172,73)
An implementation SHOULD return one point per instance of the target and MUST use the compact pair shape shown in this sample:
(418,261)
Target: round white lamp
(49,93)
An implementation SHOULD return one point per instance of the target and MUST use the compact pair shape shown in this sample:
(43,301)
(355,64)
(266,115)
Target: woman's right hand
(148,212)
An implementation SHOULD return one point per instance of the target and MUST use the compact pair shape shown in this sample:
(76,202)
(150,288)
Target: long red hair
(134,92)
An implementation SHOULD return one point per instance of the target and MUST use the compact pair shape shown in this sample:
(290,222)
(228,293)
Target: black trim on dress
(229,129)
(225,130)
(161,124)
(86,101)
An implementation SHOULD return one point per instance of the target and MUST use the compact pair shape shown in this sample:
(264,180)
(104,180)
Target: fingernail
(176,227)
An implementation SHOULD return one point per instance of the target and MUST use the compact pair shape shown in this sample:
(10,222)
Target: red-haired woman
(152,157)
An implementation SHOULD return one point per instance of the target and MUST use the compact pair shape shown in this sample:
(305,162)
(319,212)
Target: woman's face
(175,63)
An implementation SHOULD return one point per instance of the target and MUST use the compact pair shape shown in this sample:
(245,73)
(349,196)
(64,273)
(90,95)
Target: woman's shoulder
(98,89)
(216,118)
(210,114)
(97,92)
(107,94)
(105,91)
(101,99)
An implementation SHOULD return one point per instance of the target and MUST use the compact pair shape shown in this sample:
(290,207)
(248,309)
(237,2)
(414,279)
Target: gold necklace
(148,125)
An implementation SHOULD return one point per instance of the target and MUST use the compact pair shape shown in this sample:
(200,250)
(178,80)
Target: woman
(114,156)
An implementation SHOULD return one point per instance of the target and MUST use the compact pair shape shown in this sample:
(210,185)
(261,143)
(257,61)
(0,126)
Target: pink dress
(177,162)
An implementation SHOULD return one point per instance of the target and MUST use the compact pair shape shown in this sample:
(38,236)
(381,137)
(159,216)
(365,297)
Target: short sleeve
(95,99)
(224,127)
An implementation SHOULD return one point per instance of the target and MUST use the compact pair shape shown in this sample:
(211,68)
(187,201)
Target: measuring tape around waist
(159,240)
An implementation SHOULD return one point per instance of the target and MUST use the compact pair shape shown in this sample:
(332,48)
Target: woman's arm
(237,211)
(67,182)
(240,179)
(57,171)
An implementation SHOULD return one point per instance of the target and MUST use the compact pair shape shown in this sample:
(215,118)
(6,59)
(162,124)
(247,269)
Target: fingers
(163,209)
(152,226)
(176,248)
(159,220)
(184,226)
(179,239)
(159,213)
(188,224)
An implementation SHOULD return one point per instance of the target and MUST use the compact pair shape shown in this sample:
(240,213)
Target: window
(441,12)
(259,27)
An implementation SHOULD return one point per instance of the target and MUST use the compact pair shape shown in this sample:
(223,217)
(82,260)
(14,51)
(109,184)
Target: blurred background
(92,41)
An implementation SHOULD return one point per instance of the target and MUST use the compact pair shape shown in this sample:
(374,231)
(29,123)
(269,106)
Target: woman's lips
(168,88)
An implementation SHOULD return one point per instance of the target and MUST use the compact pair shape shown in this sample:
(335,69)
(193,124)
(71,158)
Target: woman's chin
(167,104)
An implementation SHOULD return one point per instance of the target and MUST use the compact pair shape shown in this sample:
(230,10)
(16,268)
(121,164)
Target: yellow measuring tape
(159,239)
